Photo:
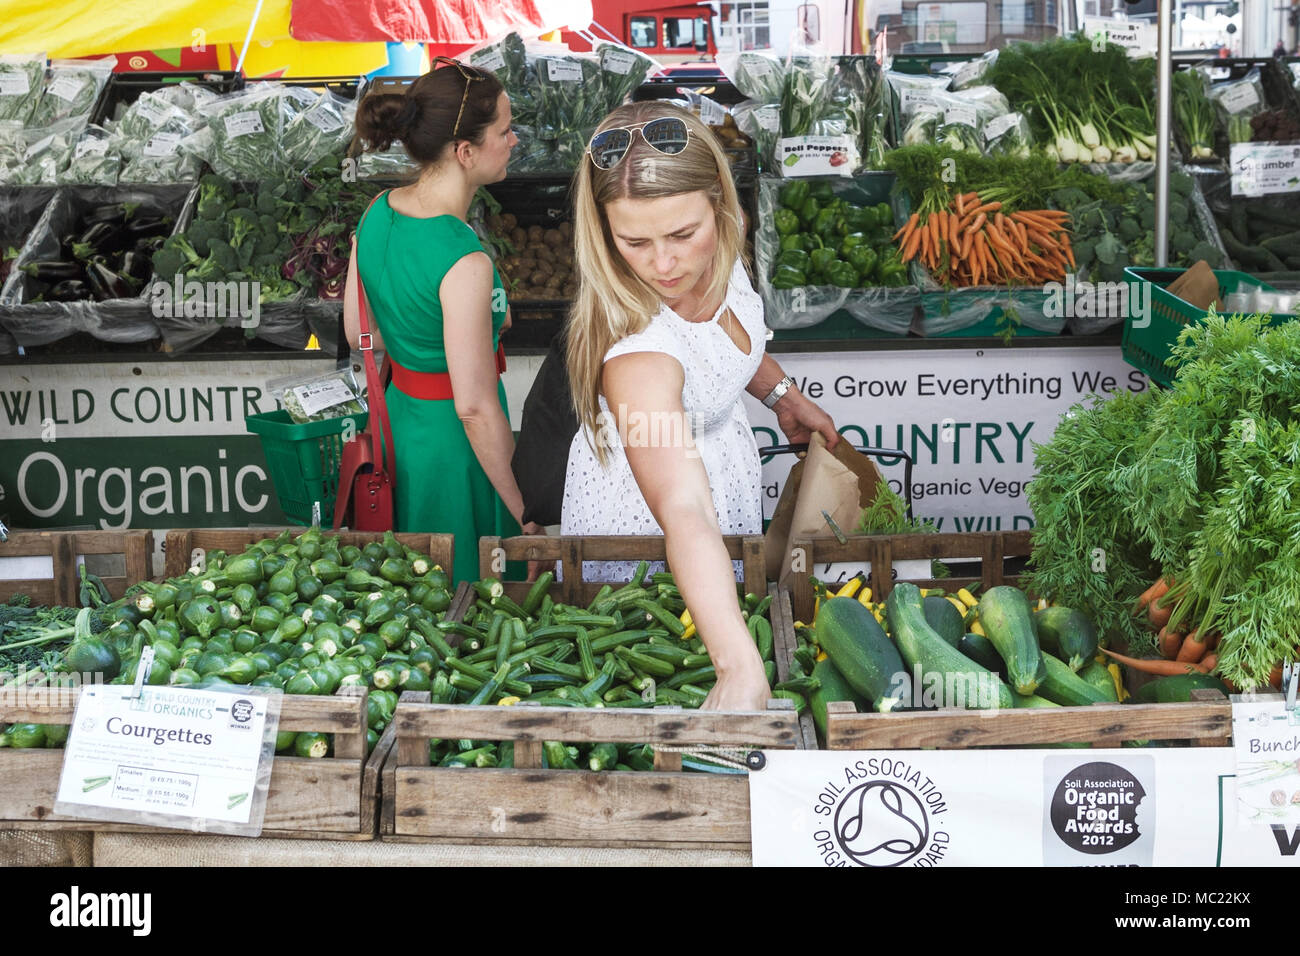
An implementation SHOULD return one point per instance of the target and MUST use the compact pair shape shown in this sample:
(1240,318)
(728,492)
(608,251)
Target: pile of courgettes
(1002,649)
(634,646)
(305,614)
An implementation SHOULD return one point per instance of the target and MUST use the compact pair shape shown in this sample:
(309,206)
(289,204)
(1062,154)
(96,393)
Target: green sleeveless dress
(441,487)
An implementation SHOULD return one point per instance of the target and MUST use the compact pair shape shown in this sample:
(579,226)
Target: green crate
(304,460)
(1148,346)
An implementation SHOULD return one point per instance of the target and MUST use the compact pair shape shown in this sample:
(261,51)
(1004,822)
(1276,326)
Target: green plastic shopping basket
(1147,346)
(304,460)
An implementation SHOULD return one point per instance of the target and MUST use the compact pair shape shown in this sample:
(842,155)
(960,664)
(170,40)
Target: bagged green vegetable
(758,74)
(568,93)
(316,398)
(22,81)
(94,161)
(71,90)
(1236,102)
(323,128)
(622,70)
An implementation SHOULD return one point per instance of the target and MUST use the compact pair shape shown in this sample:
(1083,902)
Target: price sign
(171,756)
(1261,169)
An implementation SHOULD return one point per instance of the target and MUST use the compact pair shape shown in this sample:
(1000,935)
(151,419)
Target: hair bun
(406,117)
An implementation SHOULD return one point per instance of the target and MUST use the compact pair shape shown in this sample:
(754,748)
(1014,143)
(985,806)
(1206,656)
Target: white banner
(969,418)
(1125,807)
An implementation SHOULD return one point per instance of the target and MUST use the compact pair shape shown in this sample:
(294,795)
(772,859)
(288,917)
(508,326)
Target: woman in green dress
(439,308)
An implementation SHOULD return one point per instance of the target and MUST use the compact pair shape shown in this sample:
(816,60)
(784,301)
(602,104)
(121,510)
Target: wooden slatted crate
(569,553)
(664,808)
(1205,722)
(784,644)
(334,798)
(992,548)
(181,545)
(64,548)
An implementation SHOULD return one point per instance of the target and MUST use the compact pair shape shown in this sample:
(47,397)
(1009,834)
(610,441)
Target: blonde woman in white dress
(665,335)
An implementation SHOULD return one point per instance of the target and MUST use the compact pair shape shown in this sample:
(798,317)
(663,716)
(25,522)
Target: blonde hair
(612,302)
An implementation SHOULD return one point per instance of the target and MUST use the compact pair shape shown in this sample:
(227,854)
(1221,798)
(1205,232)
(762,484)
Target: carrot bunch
(1180,652)
(971,242)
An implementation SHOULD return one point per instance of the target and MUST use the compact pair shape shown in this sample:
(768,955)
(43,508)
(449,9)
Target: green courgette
(856,643)
(1177,689)
(1005,615)
(1067,634)
(1063,686)
(944,618)
(964,683)
(831,686)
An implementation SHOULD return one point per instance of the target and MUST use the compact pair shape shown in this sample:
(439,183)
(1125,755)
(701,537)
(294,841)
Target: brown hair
(612,302)
(424,117)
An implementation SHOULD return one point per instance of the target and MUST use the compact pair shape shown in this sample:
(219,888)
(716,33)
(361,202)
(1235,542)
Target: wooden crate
(180,545)
(1205,722)
(335,798)
(784,643)
(64,547)
(992,548)
(570,552)
(664,808)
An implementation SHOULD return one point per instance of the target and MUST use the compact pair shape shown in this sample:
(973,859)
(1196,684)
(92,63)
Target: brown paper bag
(1197,286)
(841,482)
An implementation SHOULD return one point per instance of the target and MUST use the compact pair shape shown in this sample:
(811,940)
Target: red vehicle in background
(680,36)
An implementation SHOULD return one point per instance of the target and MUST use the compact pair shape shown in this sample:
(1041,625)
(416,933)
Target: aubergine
(118,212)
(53,270)
(70,290)
(105,283)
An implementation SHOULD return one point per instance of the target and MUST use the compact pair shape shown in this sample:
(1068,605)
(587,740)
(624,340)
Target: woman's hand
(743,688)
(798,417)
(536,568)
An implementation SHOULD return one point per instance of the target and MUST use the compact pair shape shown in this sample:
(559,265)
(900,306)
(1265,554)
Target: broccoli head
(215,196)
(201,233)
(1206,250)
(1177,211)
(243,224)
(224,256)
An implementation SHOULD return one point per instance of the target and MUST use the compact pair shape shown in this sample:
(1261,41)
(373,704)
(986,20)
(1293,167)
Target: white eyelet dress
(599,501)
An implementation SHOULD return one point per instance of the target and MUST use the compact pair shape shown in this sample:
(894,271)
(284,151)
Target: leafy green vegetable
(887,514)
(22,78)
(71,91)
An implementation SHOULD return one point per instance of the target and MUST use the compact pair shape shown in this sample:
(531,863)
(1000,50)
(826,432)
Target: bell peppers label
(1261,169)
(175,757)
(816,156)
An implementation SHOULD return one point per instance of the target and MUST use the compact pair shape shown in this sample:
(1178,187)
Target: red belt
(433,386)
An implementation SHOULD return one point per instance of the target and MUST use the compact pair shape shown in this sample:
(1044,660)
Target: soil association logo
(885,813)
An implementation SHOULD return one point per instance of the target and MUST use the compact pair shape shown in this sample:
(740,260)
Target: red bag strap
(382,436)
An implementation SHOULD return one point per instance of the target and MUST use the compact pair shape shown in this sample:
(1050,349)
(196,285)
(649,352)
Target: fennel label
(1262,169)
(170,756)
(1138,39)
(67,86)
(1266,737)
(14,83)
(999,125)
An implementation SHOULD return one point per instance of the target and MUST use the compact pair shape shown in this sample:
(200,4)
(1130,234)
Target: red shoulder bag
(368,462)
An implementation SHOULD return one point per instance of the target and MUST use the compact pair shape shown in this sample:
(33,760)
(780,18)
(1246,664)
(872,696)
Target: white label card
(999,125)
(618,61)
(491,60)
(1261,169)
(190,755)
(86,147)
(327,121)
(241,124)
(711,113)
(317,396)
(162,144)
(66,86)
(14,83)
(563,71)
(965,115)
(151,109)
(1239,97)
(816,156)
(1266,737)
(769,118)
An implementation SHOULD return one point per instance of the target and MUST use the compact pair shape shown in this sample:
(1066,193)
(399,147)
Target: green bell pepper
(798,241)
(786,222)
(824,224)
(884,215)
(822,192)
(864,260)
(808,211)
(842,274)
(795,258)
(852,241)
(821,260)
(788,277)
(892,274)
(792,195)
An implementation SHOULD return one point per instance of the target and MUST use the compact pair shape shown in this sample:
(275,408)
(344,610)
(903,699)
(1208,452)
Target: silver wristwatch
(778,391)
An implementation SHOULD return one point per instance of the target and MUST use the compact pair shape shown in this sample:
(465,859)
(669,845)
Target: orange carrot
(1161,667)
(980,219)
(1158,616)
(1149,595)
(913,242)
(909,227)
(1193,649)
(1169,642)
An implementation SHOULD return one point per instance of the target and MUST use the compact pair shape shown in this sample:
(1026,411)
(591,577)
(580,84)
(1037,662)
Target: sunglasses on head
(469,78)
(667,134)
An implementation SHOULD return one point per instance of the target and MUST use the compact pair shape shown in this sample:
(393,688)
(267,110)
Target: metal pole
(248,37)
(1164,77)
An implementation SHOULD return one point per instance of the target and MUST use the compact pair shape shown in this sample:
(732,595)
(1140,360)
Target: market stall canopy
(76,28)
(433,21)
